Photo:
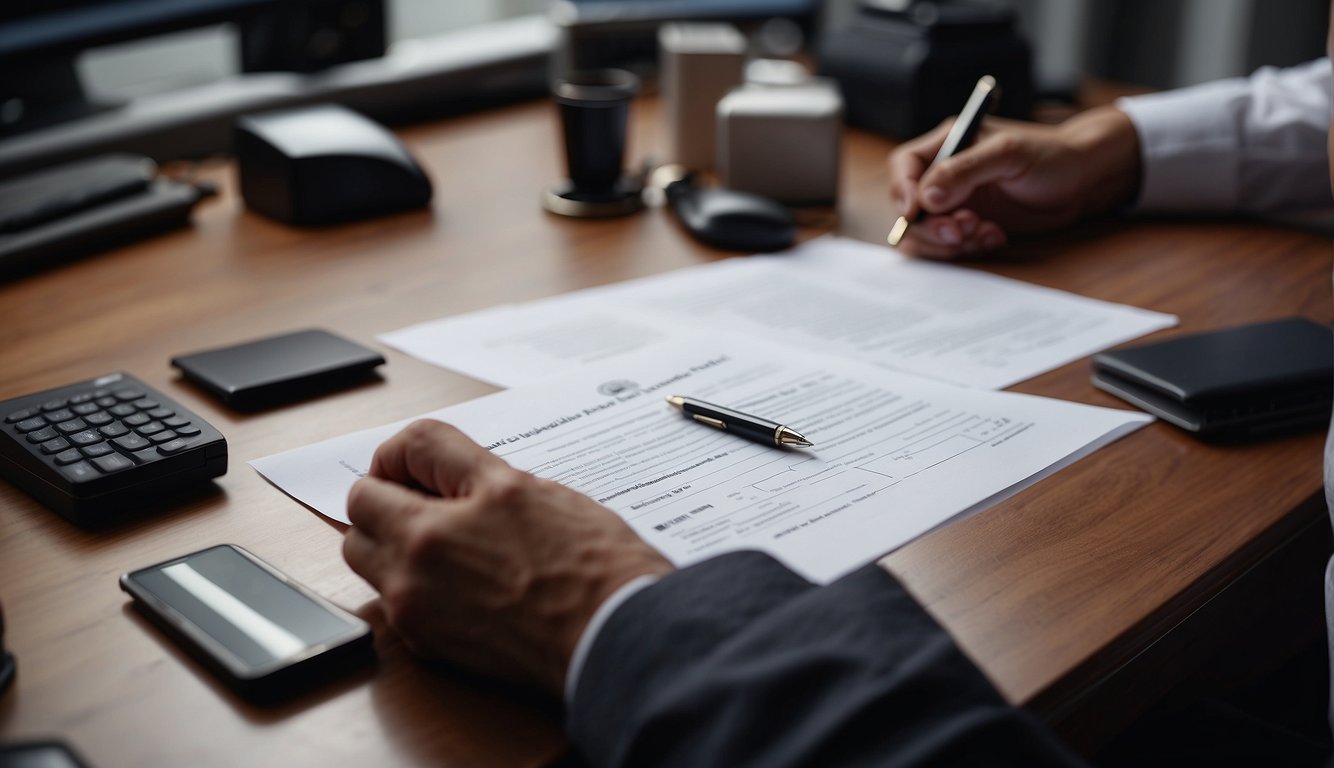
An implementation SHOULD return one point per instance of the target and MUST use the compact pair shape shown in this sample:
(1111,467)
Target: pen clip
(712,422)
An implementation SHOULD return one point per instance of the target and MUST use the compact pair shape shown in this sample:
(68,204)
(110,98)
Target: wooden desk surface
(1056,593)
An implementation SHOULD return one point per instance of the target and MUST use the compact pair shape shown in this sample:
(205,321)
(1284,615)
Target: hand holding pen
(960,135)
(1016,177)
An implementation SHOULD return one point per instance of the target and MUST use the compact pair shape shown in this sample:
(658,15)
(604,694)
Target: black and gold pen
(736,422)
(960,136)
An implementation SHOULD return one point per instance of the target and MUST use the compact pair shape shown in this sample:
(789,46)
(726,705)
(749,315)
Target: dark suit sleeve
(737,661)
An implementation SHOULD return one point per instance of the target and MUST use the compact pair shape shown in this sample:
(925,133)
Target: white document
(858,301)
(894,455)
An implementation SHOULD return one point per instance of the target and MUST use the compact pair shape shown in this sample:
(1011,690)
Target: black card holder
(1240,383)
(280,369)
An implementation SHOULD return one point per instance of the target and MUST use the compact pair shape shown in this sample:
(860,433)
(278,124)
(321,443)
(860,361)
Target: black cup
(594,113)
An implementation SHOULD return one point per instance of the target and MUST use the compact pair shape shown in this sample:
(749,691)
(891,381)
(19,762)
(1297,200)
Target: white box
(700,63)
(782,142)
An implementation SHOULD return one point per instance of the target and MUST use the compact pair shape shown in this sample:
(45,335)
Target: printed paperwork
(858,301)
(894,455)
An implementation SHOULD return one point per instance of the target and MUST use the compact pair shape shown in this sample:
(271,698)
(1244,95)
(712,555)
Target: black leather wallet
(1249,381)
(279,369)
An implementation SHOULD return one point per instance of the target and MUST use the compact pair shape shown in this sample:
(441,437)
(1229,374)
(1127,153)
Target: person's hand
(481,564)
(1017,177)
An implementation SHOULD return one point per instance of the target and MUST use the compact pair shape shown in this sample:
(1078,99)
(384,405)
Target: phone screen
(257,617)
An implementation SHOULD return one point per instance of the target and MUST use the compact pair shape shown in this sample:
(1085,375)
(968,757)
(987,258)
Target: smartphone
(265,635)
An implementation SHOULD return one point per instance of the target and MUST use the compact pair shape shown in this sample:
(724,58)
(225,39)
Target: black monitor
(41,39)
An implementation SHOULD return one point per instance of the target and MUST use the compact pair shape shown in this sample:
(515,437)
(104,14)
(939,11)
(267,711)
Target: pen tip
(790,436)
(676,401)
(900,228)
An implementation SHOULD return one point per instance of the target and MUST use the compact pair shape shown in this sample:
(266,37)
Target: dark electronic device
(263,633)
(47,753)
(905,66)
(725,218)
(624,33)
(279,369)
(40,43)
(70,210)
(325,164)
(312,35)
(105,446)
(1250,381)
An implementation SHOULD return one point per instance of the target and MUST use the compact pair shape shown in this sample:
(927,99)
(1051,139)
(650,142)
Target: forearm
(1108,145)
(737,662)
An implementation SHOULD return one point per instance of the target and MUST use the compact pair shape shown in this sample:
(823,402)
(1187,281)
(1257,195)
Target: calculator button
(114,430)
(161,413)
(137,420)
(23,415)
(81,398)
(105,402)
(83,409)
(28,425)
(122,410)
(55,445)
(146,404)
(86,437)
(53,405)
(189,430)
(98,419)
(42,435)
(175,421)
(73,425)
(146,455)
(151,428)
(79,471)
(112,462)
(174,446)
(163,436)
(68,457)
(131,443)
(128,394)
(62,414)
(97,449)
(102,393)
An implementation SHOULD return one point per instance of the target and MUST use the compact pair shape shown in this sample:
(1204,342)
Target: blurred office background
(1156,43)
(1160,43)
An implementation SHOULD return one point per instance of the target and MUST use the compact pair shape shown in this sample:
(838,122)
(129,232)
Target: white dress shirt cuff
(1256,144)
(1188,148)
(595,624)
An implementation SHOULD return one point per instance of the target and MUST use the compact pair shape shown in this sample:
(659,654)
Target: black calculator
(108,445)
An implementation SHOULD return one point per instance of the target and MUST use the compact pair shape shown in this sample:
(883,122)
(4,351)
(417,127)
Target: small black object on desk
(279,369)
(594,108)
(325,164)
(726,218)
(54,215)
(1240,383)
(99,450)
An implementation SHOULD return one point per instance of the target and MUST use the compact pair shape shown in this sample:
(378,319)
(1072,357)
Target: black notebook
(1236,383)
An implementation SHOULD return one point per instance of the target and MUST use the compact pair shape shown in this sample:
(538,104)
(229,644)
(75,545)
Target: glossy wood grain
(1050,592)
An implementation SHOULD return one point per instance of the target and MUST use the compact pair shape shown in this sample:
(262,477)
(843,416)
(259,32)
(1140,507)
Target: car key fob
(726,218)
